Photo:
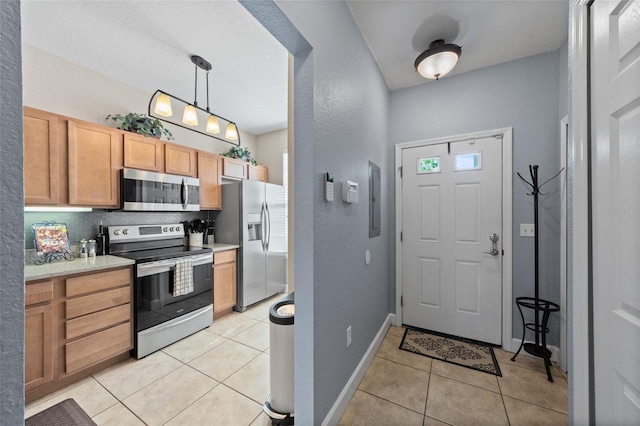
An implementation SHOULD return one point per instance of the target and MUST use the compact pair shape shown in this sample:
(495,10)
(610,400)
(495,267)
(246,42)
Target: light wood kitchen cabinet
(38,334)
(260,173)
(41,158)
(95,160)
(143,153)
(75,326)
(180,160)
(234,168)
(224,282)
(210,175)
(98,318)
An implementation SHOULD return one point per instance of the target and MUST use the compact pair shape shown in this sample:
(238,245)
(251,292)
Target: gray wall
(11,253)
(350,115)
(522,94)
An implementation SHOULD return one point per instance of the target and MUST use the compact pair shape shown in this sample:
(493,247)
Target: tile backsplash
(85,224)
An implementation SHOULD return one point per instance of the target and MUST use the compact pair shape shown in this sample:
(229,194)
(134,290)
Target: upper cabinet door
(180,160)
(260,173)
(144,153)
(210,175)
(41,159)
(95,160)
(232,167)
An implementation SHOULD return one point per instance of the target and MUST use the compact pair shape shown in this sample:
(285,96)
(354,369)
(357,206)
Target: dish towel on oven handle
(183,277)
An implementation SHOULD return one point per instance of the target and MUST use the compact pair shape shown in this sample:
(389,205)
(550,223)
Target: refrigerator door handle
(269,228)
(263,224)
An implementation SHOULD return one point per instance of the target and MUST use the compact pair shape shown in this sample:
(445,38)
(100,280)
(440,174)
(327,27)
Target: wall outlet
(348,336)
(527,230)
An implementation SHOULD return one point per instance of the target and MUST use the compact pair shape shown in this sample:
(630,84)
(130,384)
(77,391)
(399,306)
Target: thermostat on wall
(350,192)
(328,186)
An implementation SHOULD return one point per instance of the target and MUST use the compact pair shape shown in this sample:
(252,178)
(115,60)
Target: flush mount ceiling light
(193,117)
(438,59)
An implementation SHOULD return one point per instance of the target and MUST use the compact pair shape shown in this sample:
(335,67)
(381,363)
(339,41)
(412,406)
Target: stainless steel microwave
(150,191)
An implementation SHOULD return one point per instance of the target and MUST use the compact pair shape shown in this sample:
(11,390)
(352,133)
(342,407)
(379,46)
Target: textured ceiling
(490,32)
(148,44)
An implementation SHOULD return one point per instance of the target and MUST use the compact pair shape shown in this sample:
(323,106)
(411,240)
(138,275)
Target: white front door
(615,118)
(452,204)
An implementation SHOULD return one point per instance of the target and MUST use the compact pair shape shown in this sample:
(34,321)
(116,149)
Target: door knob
(494,245)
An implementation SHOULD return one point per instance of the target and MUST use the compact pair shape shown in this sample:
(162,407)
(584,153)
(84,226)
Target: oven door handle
(185,194)
(202,259)
(154,268)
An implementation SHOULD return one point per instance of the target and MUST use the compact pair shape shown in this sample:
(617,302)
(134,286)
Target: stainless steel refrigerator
(254,216)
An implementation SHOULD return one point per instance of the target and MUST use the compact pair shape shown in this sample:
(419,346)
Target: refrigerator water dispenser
(254,231)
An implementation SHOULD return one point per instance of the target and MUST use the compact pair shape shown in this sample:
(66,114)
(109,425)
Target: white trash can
(279,403)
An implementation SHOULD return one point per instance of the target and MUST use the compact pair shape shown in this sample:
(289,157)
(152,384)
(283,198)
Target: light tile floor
(402,388)
(220,376)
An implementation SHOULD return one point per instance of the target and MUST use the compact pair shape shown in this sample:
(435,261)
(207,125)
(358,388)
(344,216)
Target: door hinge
(400,236)
(503,252)
(400,170)
(401,300)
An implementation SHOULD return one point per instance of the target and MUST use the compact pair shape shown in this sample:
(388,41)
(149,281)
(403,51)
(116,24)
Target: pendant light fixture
(162,109)
(438,60)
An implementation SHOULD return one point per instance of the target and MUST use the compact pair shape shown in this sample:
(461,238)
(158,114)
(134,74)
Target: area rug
(65,413)
(455,350)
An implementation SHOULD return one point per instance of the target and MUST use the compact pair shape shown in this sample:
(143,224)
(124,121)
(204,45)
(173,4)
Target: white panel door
(452,203)
(615,91)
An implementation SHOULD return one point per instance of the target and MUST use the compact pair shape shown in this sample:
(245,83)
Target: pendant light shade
(163,105)
(190,116)
(231,132)
(438,60)
(213,125)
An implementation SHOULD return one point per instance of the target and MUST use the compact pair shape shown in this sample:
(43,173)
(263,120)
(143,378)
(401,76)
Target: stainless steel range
(173,283)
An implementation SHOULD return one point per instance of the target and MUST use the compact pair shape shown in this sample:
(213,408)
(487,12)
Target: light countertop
(77,266)
(80,266)
(221,247)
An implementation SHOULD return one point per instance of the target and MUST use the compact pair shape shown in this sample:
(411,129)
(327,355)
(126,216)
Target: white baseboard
(339,407)
(515,344)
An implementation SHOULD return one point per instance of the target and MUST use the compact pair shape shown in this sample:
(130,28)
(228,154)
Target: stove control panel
(122,233)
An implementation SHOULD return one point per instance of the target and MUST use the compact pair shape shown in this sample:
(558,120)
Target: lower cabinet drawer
(224,257)
(97,347)
(38,292)
(96,302)
(98,321)
(90,283)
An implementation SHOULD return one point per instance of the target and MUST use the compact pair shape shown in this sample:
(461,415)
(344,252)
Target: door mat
(455,350)
(65,413)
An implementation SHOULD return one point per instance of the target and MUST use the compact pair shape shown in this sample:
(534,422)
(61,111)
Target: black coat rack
(539,326)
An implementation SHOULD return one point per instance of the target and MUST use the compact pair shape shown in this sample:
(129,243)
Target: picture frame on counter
(51,242)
